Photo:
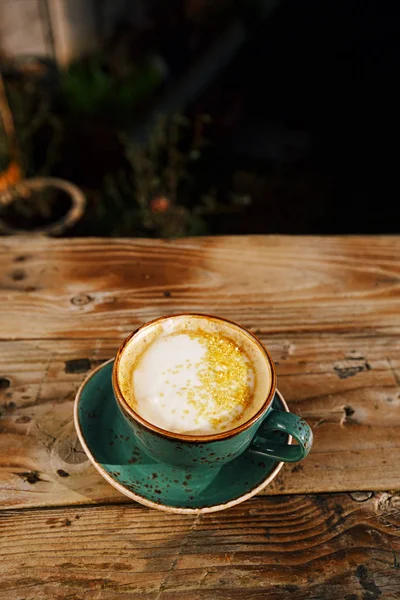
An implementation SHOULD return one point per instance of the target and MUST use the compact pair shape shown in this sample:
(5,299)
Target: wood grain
(346,386)
(315,547)
(93,288)
(328,310)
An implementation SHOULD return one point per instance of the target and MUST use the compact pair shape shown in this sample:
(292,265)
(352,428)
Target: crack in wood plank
(181,550)
(396,377)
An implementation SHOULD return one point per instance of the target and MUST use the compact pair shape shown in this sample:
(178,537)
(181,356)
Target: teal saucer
(111,447)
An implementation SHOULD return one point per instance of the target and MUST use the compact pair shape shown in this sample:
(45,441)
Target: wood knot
(9,406)
(351,366)
(21,258)
(4,383)
(77,365)
(31,477)
(347,416)
(62,473)
(70,452)
(24,419)
(349,411)
(81,300)
(361,496)
(18,275)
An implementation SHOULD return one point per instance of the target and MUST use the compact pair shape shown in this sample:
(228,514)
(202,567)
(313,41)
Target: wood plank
(93,288)
(345,385)
(309,547)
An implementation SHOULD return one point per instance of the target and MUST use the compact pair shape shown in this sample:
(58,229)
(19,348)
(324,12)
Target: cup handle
(291,424)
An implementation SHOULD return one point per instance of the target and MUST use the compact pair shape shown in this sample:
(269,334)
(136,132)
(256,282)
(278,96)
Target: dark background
(331,69)
(303,120)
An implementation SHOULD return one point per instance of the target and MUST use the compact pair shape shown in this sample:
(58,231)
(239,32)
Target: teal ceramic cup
(215,450)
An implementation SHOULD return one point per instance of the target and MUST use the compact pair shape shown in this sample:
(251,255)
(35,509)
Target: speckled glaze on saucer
(110,445)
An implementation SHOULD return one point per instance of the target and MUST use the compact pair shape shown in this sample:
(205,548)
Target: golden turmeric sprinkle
(225,377)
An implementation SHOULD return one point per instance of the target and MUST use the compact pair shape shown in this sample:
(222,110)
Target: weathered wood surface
(340,373)
(327,308)
(353,405)
(325,547)
(93,288)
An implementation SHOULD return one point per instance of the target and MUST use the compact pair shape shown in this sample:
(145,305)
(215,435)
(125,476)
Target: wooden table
(328,528)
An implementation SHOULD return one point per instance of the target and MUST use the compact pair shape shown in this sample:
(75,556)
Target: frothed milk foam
(194,375)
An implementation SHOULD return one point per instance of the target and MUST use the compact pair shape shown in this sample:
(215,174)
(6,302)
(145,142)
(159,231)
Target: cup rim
(184,436)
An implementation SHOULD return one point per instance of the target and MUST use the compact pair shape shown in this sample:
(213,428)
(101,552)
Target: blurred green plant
(88,87)
(35,125)
(158,194)
(159,190)
(31,150)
